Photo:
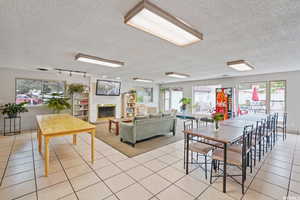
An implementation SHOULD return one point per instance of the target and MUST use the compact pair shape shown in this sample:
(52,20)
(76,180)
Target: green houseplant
(217,117)
(76,88)
(58,103)
(185,101)
(13,109)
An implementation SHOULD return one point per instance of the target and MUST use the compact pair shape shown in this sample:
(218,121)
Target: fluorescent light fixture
(152,19)
(143,80)
(99,61)
(240,65)
(177,75)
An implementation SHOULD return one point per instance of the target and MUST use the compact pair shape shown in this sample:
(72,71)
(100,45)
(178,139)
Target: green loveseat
(147,127)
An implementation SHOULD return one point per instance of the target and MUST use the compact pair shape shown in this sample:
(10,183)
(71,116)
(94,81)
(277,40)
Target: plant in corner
(217,117)
(58,103)
(185,101)
(12,109)
(76,88)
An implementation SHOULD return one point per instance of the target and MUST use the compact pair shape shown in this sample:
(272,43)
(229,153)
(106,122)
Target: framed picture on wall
(108,88)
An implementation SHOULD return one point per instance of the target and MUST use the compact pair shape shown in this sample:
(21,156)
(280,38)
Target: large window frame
(169,99)
(44,95)
(268,93)
(284,95)
(143,92)
(212,105)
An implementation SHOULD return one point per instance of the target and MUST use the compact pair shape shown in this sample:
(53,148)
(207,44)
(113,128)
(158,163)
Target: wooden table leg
(74,139)
(109,126)
(93,145)
(46,155)
(39,137)
(117,128)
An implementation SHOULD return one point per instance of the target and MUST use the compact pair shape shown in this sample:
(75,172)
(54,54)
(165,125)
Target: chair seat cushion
(236,148)
(200,147)
(233,158)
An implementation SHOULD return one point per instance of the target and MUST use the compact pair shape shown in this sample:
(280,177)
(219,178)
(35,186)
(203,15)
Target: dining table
(58,125)
(230,131)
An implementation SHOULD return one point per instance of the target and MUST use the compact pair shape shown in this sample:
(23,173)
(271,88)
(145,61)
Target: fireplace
(106,111)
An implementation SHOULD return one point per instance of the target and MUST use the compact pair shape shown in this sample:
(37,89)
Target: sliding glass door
(172,97)
(176,96)
(167,100)
(204,99)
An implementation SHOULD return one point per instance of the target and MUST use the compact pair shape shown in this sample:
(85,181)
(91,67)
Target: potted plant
(58,103)
(132,91)
(217,117)
(12,109)
(76,88)
(185,101)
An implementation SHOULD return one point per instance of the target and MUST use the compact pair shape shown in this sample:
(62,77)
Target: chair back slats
(247,139)
(187,125)
(258,132)
(284,120)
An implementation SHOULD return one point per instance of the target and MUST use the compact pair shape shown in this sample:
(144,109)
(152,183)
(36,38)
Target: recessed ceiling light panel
(152,19)
(143,80)
(240,65)
(177,75)
(99,61)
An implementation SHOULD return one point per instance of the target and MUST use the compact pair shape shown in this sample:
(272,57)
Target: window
(277,97)
(36,92)
(252,98)
(204,99)
(144,95)
(167,100)
(172,97)
(176,96)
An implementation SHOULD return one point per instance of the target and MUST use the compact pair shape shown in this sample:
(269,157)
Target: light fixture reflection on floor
(143,80)
(99,61)
(176,75)
(152,19)
(240,65)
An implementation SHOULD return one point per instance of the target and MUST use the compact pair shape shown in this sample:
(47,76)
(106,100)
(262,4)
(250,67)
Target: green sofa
(146,127)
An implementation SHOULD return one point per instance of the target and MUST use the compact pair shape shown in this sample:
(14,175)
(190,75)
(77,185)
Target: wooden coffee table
(116,122)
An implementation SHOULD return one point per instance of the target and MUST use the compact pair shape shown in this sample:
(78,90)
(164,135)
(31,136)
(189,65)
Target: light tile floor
(156,175)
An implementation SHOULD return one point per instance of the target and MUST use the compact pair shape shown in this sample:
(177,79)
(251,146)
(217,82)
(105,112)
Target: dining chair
(238,159)
(196,146)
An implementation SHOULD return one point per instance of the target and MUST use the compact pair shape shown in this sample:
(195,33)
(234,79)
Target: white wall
(293,91)
(125,87)
(7,93)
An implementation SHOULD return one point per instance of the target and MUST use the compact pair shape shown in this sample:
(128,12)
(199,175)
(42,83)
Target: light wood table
(57,125)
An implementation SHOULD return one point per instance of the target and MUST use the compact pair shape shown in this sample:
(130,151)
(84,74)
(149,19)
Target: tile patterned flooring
(155,175)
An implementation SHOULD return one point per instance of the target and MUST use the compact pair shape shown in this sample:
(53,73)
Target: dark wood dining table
(231,131)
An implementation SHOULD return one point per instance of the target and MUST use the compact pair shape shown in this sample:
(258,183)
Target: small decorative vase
(216,127)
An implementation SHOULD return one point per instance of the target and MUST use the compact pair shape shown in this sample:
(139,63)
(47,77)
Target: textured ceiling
(48,33)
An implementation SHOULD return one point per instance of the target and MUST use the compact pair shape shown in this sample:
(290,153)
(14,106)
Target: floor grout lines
(69,156)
